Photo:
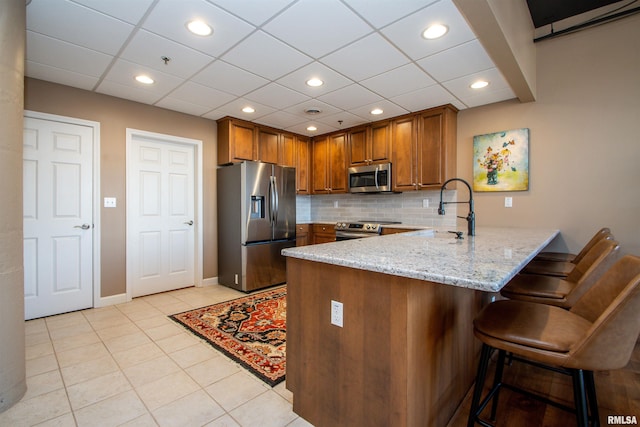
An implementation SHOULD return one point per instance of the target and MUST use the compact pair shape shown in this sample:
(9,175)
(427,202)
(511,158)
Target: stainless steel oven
(360,229)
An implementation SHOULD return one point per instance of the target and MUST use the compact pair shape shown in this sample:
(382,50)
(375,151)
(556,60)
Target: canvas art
(501,161)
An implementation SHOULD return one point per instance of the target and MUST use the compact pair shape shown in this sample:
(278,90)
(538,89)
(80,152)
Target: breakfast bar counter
(405,354)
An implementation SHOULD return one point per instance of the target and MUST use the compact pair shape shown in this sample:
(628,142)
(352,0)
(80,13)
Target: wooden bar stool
(564,268)
(568,257)
(598,333)
(565,292)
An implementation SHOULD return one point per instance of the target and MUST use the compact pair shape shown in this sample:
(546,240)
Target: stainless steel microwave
(370,178)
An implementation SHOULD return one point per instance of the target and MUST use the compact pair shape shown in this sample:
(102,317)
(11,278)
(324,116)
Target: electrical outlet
(335,203)
(508,202)
(109,202)
(425,203)
(336,313)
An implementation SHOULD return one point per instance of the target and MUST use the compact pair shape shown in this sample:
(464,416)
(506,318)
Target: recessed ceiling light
(479,84)
(144,79)
(435,31)
(376,111)
(248,110)
(312,128)
(199,28)
(314,82)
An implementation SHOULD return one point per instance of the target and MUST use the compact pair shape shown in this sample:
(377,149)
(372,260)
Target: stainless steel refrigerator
(256,220)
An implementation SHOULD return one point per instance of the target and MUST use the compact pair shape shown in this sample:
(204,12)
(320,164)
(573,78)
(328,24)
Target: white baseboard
(110,300)
(210,281)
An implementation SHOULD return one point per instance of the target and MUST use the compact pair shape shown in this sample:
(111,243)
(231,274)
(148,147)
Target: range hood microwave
(370,178)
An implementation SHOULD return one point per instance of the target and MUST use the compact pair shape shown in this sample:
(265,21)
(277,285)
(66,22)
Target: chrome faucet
(471,217)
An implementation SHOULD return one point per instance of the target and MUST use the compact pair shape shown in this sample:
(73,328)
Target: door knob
(189,222)
(83,226)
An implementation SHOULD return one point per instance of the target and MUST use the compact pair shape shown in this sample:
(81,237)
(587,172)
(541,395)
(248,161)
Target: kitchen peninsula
(405,354)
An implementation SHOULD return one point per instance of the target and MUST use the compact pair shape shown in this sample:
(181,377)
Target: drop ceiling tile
(169,18)
(65,56)
(280,120)
(301,129)
(366,58)
(265,56)
(127,92)
(147,49)
(78,25)
(383,12)
(407,33)
(398,81)
(467,58)
(234,109)
(427,97)
(276,96)
(498,95)
(460,87)
(256,12)
(298,79)
(341,120)
(229,78)
(182,106)
(388,108)
(310,25)
(123,73)
(349,97)
(127,10)
(57,75)
(325,109)
(201,95)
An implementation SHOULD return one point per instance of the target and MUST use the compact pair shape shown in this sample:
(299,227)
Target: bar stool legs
(586,404)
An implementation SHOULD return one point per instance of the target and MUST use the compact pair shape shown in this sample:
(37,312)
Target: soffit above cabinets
(368,53)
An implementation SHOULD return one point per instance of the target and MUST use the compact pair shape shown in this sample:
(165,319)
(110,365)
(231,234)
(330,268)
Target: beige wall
(114,116)
(584,142)
(13,383)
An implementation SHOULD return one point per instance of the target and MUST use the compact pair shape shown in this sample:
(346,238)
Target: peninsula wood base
(406,355)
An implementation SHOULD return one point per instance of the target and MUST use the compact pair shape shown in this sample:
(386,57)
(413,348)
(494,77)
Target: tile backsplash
(410,208)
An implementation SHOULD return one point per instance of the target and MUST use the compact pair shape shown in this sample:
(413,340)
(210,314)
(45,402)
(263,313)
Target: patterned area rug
(251,330)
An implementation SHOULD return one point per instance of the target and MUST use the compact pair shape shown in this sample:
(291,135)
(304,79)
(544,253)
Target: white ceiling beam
(505,30)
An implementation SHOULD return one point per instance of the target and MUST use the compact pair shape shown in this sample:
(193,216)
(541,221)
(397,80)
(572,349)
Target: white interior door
(160,214)
(58,217)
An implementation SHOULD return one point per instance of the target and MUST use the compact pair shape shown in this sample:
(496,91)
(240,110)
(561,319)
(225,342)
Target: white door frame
(97,300)
(197,144)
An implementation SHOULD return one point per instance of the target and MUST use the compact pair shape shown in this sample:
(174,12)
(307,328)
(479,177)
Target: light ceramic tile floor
(130,365)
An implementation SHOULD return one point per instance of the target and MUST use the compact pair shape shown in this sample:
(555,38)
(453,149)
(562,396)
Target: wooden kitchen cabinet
(322,233)
(302,234)
(287,150)
(329,171)
(237,141)
(268,144)
(370,144)
(424,149)
(303,165)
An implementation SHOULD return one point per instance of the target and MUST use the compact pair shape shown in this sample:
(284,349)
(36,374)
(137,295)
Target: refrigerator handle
(276,198)
(271,200)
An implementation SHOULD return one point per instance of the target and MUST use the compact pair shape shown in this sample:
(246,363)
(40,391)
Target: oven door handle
(354,235)
(376,177)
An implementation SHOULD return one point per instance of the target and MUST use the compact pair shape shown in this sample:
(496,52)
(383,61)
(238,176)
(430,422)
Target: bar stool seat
(598,333)
(565,292)
(574,258)
(550,267)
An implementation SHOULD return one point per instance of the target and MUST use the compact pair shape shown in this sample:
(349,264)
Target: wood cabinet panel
(322,233)
(380,142)
(404,153)
(329,171)
(358,147)
(303,165)
(302,234)
(268,142)
(287,150)
(237,141)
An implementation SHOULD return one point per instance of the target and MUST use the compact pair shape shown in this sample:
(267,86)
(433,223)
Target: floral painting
(501,161)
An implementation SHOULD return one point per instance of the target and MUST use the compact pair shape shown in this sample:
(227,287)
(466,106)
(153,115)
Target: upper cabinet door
(287,150)
(358,152)
(404,154)
(237,141)
(268,141)
(380,142)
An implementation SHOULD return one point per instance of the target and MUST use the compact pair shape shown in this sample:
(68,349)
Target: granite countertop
(486,261)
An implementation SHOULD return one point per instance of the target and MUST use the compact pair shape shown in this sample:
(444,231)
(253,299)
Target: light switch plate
(508,202)
(109,202)
(336,313)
